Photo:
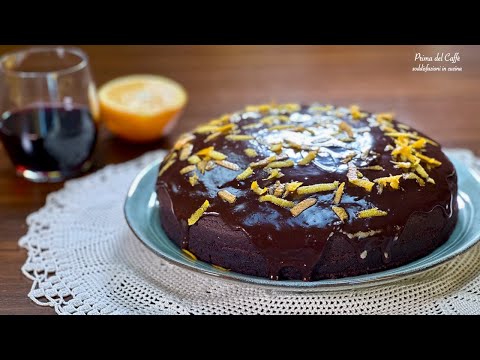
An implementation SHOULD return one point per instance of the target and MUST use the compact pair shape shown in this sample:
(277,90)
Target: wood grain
(223,78)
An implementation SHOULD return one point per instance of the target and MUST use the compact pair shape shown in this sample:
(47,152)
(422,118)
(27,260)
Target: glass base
(51,176)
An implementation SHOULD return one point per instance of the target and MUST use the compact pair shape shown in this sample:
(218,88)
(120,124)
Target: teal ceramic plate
(141,212)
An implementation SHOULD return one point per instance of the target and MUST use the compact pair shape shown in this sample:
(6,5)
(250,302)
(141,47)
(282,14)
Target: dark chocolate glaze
(263,239)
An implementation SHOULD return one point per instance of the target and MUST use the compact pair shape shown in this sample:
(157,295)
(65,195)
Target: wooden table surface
(222,78)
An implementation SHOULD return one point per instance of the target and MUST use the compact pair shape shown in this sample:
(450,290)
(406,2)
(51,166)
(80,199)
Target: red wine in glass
(49,139)
(47,99)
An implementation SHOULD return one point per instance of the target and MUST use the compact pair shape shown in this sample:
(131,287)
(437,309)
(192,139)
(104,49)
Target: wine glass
(48,112)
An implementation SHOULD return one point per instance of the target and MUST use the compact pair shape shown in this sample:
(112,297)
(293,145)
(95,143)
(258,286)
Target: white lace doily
(83,259)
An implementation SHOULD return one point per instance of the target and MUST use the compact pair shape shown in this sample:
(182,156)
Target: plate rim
(353,282)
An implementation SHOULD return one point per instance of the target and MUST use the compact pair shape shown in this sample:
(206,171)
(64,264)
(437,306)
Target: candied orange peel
(338,194)
(280,164)
(226,128)
(198,213)
(302,206)
(167,166)
(205,151)
(384,116)
(239,137)
(194,159)
(217,155)
(340,212)
(189,254)
(413,176)
(202,166)
(186,151)
(276,148)
(172,155)
(227,196)
(364,183)
(371,213)
(293,186)
(421,171)
(347,128)
(220,268)
(212,137)
(182,140)
(257,189)
(252,126)
(420,143)
(205,129)
(308,158)
(428,160)
(271,119)
(321,108)
(187,169)
(263,162)
(250,152)
(211,153)
(293,145)
(393,181)
(311,189)
(356,113)
(372,167)
(258,108)
(274,174)
(222,120)
(410,135)
(291,107)
(193,180)
(227,164)
(266,161)
(277,201)
(245,174)
(282,127)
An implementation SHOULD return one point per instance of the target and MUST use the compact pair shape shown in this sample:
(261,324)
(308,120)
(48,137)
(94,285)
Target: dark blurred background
(220,79)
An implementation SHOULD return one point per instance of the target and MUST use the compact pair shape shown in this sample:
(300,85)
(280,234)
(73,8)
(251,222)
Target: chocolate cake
(306,192)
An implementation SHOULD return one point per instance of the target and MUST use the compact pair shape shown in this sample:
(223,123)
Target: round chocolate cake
(306,192)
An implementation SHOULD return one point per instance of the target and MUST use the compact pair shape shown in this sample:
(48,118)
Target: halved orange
(141,107)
